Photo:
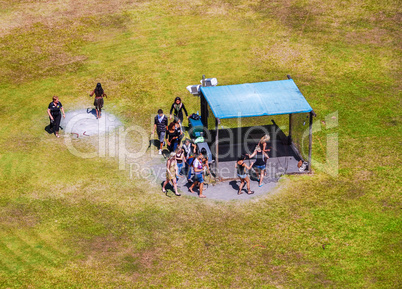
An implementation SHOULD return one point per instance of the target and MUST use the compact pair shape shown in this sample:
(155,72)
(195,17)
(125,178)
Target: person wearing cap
(171,173)
(160,124)
(98,102)
(177,108)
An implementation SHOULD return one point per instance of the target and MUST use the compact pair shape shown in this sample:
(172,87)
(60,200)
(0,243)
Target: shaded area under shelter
(241,101)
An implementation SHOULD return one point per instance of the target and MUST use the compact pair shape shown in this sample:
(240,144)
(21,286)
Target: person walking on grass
(259,165)
(98,102)
(178,108)
(53,111)
(160,124)
(171,173)
(198,177)
(241,168)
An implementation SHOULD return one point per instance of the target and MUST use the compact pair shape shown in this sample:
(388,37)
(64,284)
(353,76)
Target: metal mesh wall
(300,133)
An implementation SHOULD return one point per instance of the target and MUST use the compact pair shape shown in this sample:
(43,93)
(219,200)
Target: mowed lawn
(73,222)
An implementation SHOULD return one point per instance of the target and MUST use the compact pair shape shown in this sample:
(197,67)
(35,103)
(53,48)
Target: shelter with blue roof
(270,98)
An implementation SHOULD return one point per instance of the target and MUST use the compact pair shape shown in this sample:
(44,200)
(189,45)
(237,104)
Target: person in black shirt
(178,108)
(241,168)
(259,165)
(98,102)
(53,111)
(172,137)
(160,124)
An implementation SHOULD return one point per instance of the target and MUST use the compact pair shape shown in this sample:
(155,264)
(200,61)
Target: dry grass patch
(25,13)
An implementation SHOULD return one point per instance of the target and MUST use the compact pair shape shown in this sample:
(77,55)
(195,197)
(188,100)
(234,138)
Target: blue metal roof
(255,99)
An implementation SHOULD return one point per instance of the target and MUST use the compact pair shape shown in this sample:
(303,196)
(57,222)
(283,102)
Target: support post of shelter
(290,130)
(310,137)
(203,106)
(217,122)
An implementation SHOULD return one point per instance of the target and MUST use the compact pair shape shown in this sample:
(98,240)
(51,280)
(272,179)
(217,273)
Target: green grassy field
(70,222)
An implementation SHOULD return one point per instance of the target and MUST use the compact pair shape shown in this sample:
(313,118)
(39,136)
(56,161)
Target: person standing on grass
(171,173)
(53,111)
(178,108)
(241,168)
(98,102)
(160,124)
(189,151)
(259,165)
(198,177)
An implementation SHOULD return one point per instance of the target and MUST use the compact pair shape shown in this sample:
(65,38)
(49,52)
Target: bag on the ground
(195,116)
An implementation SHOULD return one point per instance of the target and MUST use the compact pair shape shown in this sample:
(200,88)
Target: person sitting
(242,168)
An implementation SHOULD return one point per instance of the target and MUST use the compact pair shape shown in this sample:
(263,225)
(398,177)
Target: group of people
(55,108)
(261,157)
(182,162)
(173,133)
(184,158)
(187,156)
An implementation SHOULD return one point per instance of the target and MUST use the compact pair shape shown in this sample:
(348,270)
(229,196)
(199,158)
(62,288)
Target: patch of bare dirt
(25,13)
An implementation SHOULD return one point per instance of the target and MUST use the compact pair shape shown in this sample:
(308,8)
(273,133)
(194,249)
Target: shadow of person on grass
(154,143)
(49,129)
(168,187)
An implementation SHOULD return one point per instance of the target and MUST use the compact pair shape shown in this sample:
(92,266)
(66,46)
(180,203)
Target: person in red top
(98,103)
